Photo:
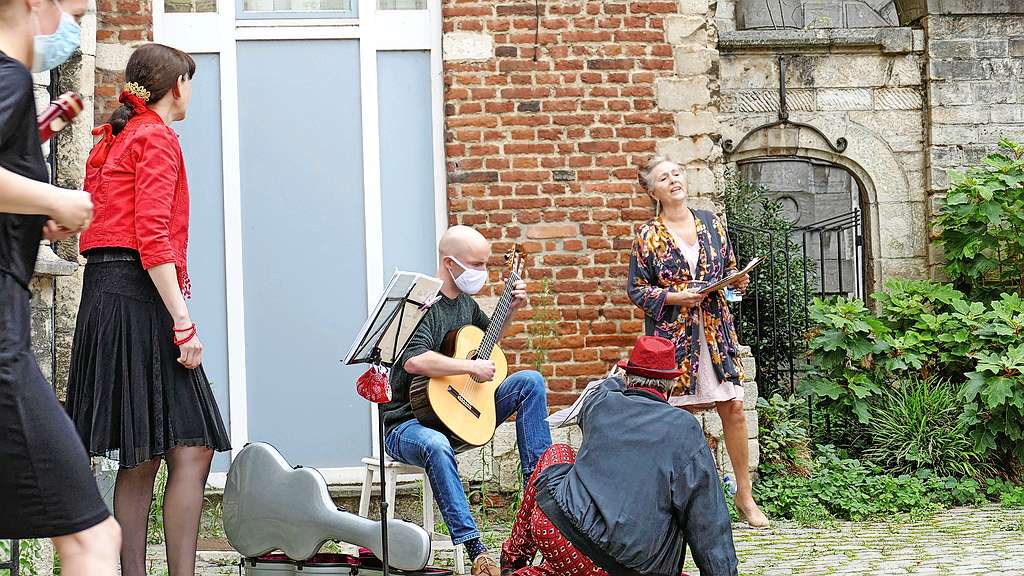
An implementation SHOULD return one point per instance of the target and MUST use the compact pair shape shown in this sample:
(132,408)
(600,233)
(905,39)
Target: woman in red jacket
(137,384)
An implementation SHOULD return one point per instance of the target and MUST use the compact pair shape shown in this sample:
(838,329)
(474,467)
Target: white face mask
(471,280)
(52,50)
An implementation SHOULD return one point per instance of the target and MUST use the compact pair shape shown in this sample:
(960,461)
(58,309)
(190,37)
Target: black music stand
(381,341)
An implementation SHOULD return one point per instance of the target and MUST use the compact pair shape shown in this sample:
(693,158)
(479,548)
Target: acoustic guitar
(269,505)
(459,406)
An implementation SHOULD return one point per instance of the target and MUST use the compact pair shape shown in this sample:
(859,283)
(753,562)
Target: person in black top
(46,485)
(462,267)
(643,487)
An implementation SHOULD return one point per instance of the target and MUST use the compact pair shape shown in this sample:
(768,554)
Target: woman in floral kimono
(673,254)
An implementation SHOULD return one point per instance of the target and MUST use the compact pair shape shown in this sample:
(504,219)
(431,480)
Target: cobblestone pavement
(963,542)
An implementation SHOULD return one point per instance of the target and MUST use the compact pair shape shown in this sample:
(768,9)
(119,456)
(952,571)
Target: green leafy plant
(930,326)
(848,489)
(845,342)
(542,330)
(927,330)
(29,556)
(917,423)
(155,529)
(995,400)
(982,223)
(783,436)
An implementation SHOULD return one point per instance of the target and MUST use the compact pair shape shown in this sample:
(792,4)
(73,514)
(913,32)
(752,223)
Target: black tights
(187,470)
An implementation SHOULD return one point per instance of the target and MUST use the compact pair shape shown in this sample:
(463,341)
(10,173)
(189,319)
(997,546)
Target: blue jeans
(413,443)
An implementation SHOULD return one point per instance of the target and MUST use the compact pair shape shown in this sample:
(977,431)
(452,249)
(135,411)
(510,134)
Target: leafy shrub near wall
(932,331)
(981,223)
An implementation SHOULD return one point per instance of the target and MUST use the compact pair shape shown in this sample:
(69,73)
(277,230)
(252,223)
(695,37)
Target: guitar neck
(501,312)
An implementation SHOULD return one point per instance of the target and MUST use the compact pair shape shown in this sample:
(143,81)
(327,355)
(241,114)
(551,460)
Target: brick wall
(120,25)
(542,146)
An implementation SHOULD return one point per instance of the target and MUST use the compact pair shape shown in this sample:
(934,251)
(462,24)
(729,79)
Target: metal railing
(818,260)
(13,563)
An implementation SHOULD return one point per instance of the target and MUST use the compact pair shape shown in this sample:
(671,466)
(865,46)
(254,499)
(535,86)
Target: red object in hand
(58,115)
(373,385)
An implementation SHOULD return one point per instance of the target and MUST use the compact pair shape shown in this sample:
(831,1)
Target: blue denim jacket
(644,485)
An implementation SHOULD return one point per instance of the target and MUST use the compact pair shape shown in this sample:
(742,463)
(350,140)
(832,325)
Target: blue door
(300,271)
(304,246)
(201,144)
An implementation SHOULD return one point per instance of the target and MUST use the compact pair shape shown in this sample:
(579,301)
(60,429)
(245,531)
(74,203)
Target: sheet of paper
(567,416)
(731,278)
(380,330)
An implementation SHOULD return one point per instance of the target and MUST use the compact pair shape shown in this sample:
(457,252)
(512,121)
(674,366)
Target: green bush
(30,556)
(930,325)
(783,438)
(918,424)
(927,330)
(845,342)
(847,489)
(982,222)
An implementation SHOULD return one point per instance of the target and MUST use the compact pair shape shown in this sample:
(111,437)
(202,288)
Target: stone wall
(975,94)
(862,85)
(56,287)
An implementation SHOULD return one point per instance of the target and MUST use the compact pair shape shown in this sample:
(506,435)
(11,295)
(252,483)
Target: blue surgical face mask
(52,50)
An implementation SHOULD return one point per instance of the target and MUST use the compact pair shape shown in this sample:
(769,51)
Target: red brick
(573,120)
(454,11)
(526,120)
(579,37)
(515,9)
(611,64)
(599,146)
(542,231)
(560,105)
(538,148)
(653,7)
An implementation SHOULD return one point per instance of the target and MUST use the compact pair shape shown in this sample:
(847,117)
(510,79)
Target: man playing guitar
(463,254)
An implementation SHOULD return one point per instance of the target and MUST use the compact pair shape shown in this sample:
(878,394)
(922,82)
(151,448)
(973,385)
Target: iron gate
(822,259)
(13,562)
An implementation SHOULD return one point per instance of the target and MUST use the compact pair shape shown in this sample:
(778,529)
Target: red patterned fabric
(373,385)
(533,532)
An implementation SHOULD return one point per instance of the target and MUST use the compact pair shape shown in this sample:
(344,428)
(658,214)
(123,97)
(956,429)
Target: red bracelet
(191,335)
(192,327)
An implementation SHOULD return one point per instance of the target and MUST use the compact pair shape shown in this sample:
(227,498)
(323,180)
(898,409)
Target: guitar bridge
(462,400)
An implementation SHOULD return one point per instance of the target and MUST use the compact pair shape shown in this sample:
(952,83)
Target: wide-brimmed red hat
(652,357)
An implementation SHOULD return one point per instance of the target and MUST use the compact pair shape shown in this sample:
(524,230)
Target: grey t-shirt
(445,315)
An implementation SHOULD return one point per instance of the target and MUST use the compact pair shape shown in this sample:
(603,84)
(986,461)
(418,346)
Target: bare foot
(753,516)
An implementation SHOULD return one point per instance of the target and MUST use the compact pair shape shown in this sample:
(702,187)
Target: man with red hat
(643,487)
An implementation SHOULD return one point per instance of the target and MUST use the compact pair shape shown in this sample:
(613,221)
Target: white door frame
(218,33)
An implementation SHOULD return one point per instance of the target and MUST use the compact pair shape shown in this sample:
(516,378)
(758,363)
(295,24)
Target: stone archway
(799,14)
(883,185)
(910,11)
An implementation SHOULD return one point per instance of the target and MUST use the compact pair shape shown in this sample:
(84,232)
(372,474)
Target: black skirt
(46,486)
(128,396)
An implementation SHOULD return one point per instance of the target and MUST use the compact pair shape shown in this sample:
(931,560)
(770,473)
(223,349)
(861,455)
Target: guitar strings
(490,339)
